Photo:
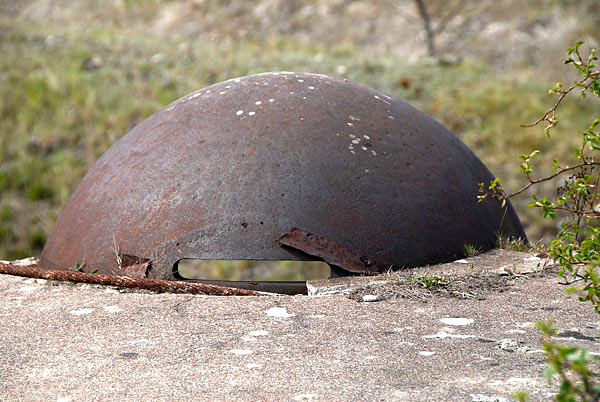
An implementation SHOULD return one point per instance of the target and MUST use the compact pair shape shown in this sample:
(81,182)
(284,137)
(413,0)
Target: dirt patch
(466,286)
(469,278)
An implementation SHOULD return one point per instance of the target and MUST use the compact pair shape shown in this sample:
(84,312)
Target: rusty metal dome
(279,166)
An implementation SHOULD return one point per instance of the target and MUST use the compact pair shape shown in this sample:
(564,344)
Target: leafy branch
(576,249)
(580,194)
(577,246)
(565,360)
(589,81)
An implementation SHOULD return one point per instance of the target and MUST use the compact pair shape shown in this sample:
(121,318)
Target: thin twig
(550,177)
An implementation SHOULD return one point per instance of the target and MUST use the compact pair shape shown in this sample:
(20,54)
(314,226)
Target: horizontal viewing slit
(251,270)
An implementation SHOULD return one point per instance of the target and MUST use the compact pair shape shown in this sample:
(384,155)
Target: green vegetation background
(77,75)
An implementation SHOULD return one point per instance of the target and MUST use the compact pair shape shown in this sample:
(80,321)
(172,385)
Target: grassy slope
(57,117)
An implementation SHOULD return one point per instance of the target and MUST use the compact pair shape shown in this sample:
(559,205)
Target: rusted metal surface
(134,266)
(226,171)
(331,252)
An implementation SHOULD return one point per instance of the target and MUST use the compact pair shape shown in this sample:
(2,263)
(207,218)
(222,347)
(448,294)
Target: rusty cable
(157,285)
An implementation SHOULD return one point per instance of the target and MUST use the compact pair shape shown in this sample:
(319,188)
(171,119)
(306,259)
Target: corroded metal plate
(229,170)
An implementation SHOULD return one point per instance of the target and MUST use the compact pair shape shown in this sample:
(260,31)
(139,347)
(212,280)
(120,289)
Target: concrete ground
(90,343)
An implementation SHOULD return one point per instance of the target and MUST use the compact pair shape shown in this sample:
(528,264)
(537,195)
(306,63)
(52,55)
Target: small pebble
(258,333)
(82,311)
(370,298)
(279,312)
(457,321)
(241,352)
(306,397)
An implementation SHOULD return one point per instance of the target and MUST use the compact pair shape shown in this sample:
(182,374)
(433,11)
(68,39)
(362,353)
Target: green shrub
(39,191)
(37,239)
(576,249)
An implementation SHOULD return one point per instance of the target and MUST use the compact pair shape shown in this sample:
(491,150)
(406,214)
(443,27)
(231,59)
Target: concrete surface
(89,343)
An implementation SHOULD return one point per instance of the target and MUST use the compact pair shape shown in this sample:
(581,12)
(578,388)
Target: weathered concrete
(83,343)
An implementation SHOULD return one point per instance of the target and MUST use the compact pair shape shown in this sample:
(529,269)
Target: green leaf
(528,157)
(548,373)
